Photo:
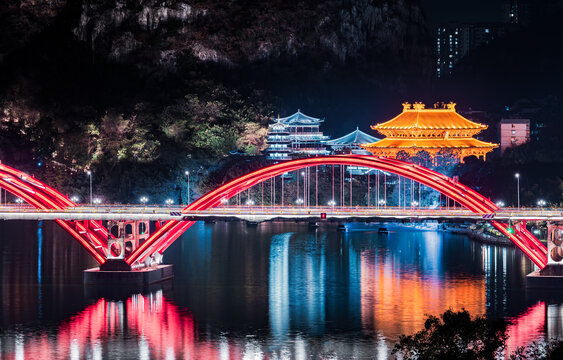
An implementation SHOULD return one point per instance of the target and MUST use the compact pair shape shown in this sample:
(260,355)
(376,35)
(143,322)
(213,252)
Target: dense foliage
(455,335)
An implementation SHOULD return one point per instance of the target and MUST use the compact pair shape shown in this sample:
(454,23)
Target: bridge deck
(259,213)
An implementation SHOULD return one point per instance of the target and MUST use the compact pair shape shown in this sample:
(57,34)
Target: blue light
(39,163)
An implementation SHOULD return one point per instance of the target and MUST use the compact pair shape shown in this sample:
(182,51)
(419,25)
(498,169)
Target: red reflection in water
(526,328)
(147,325)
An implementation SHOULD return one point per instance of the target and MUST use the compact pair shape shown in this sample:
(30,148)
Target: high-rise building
(455,40)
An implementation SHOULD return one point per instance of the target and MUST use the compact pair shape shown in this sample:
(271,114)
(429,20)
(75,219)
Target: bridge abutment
(551,276)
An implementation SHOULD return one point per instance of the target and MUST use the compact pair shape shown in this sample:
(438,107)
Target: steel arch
(470,199)
(89,233)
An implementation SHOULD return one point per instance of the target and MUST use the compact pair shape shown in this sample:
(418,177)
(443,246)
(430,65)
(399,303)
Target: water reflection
(400,288)
(151,326)
(142,326)
(275,291)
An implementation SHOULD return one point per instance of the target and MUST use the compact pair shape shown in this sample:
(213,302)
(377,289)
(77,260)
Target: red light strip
(172,229)
(44,197)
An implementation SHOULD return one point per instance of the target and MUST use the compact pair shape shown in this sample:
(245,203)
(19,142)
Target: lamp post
(188,175)
(97,201)
(74,199)
(90,175)
(332,203)
(144,200)
(541,203)
(169,202)
(517,176)
(500,203)
(382,203)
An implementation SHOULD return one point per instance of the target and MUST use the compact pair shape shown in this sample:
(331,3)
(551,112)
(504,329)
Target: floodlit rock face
(239,32)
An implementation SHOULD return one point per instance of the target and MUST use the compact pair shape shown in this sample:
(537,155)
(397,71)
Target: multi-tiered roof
(435,131)
(352,141)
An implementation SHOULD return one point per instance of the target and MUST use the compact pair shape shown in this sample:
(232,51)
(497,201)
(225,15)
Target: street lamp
(97,201)
(500,203)
(414,204)
(382,202)
(188,175)
(299,201)
(74,199)
(249,202)
(169,202)
(90,175)
(19,201)
(332,203)
(541,203)
(224,201)
(517,176)
(144,200)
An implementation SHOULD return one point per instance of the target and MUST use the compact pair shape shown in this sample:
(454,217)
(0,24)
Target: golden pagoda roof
(417,117)
(429,143)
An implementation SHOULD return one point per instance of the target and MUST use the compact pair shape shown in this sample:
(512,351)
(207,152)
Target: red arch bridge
(96,239)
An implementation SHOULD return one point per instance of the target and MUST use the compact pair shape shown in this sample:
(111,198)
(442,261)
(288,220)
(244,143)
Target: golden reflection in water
(397,302)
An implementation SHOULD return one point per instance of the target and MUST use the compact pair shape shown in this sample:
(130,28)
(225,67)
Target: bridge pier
(115,273)
(551,276)
(137,279)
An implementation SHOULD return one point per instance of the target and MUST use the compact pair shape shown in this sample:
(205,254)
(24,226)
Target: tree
(540,351)
(454,335)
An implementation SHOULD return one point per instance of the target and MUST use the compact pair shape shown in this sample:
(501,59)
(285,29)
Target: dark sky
(441,11)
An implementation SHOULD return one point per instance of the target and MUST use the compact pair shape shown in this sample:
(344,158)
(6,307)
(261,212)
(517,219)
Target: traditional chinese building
(439,131)
(295,134)
(351,143)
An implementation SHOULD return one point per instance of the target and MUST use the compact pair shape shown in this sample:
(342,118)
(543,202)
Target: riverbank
(477,233)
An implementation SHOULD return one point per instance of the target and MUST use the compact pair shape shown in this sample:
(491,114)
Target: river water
(276,291)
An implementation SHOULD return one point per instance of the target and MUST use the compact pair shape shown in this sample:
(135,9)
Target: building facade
(514,132)
(295,135)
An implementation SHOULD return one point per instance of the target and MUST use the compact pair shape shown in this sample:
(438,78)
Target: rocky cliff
(111,85)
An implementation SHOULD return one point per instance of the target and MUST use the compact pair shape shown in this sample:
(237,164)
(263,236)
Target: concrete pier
(139,278)
(538,281)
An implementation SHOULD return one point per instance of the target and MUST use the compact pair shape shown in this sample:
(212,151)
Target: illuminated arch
(89,233)
(468,198)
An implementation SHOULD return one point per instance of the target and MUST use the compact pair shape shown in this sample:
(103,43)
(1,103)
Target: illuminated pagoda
(295,134)
(351,143)
(440,131)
